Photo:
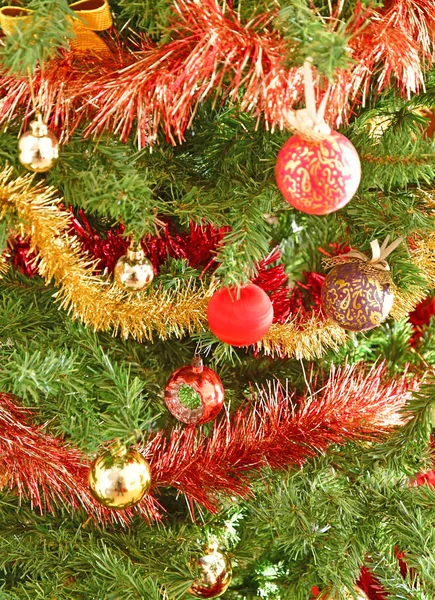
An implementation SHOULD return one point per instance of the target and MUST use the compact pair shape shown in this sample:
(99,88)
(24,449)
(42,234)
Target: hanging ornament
(119,478)
(133,271)
(215,574)
(358,594)
(358,293)
(240,317)
(38,148)
(194,394)
(317,170)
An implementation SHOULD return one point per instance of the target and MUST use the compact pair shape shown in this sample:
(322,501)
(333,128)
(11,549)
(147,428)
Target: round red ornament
(194,394)
(240,317)
(318,176)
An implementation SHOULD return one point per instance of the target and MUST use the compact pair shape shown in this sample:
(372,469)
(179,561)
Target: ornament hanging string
(309,122)
(35,104)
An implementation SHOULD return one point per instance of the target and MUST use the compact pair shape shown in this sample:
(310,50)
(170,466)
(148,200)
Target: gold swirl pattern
(355,299)
(318,177)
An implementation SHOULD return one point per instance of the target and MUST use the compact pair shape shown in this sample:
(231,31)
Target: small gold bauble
(38,148)
(119,478)
(215,574)
(358,594)
(134,271)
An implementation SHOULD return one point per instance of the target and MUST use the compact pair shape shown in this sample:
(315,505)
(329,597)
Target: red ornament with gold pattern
(318,176)
(194,394)
(317,170)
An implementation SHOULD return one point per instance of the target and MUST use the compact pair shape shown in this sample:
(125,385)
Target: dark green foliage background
(313,526)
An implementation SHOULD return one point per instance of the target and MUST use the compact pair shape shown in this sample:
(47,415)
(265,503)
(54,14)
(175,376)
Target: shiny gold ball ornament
(133,271)
(215,574)
(358,594)
(119,478)
(38,148)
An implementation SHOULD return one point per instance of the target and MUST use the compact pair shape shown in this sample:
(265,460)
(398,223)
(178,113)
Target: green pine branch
(35,42)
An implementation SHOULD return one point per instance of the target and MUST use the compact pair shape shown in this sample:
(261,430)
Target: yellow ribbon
(94,15)
(379,253)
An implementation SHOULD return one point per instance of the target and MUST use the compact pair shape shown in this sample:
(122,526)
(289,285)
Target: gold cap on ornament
(38,148)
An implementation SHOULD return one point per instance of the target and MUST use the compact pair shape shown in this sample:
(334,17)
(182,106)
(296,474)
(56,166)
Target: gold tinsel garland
(103,306)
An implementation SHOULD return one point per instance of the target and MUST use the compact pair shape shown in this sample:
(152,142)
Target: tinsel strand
(98,302)
(211,52)
(279,430)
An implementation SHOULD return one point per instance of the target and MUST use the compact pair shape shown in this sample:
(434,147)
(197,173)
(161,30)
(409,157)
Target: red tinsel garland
(46,470)
(352,404)
(421,316)
(212,52)
(198,247)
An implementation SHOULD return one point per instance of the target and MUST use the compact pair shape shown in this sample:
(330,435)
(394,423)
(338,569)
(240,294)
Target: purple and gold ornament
(358,293)
(355,299)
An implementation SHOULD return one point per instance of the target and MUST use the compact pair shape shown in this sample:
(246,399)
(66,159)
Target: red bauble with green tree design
(194,394)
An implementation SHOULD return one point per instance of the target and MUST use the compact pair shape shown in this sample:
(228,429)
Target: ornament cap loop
(135,254)
(309,122)
(38,127)
(211,547)
(379,254)
(197,364)
(118,449)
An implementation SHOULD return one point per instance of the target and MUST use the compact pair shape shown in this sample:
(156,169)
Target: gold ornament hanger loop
(379,253)
(310,122)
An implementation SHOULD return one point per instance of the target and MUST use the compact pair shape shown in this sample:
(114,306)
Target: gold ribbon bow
(379,253)
(378,261)
(94,15)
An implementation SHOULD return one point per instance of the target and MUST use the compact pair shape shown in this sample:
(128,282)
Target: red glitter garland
(198,247)
(351,405)
(212,52)
(421,316)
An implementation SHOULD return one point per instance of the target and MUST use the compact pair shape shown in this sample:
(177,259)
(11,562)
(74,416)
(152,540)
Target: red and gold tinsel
(211,51)
(352,404)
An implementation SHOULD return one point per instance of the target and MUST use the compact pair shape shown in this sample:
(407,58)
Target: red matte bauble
(318,177)
(240,317)
(194,394)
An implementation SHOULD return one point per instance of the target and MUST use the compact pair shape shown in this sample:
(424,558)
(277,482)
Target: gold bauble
(358,594)
(215,574)
(38,148)
(119,478)
(134,271)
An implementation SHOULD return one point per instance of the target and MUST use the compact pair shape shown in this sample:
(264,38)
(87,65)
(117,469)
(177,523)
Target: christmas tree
(218,251)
